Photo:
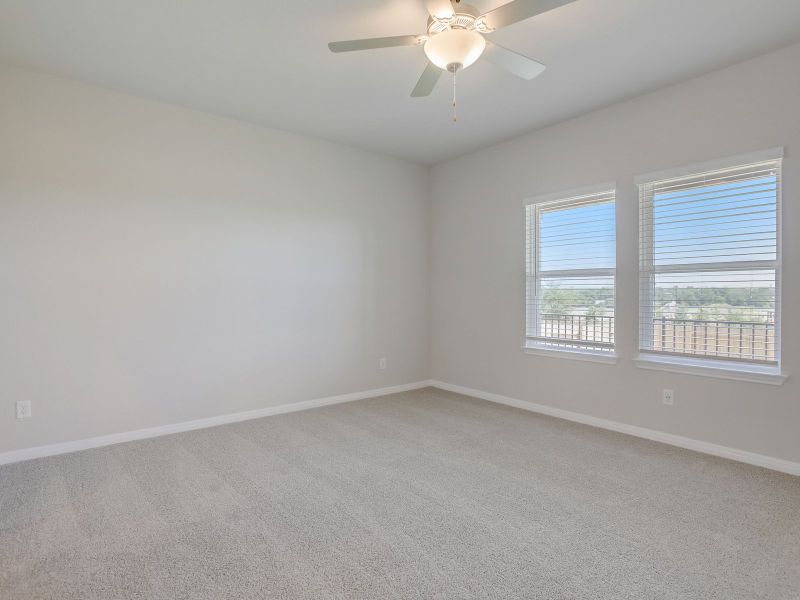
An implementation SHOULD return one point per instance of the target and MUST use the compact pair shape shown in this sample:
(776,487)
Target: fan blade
(370,43)
(511,61)
(518,10)
(427,81)
(440,9)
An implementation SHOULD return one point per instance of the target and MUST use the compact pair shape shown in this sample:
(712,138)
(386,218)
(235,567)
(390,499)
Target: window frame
(536,345)
(722,367)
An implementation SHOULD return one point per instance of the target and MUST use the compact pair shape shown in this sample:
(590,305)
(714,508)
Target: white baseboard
(140,434)
(759,460)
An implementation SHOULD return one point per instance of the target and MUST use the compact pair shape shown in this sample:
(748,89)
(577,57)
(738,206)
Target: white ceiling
(267,61)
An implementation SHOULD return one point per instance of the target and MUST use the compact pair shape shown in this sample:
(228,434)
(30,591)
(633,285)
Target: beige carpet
(419,495)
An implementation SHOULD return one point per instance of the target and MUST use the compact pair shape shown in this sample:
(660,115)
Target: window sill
(585,355)
(719,369)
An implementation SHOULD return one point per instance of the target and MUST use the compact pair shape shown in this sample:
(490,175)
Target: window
(570,264)
(709,256)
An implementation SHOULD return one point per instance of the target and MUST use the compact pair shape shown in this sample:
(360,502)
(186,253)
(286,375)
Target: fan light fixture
(454,40)
(454,49)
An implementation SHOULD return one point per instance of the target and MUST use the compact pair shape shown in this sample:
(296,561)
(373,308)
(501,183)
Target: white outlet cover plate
(24,409)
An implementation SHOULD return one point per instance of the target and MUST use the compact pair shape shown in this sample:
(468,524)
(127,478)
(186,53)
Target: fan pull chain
(455,114)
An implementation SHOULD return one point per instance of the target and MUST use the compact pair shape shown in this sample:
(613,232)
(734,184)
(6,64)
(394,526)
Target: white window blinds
(709,248)
(571,266)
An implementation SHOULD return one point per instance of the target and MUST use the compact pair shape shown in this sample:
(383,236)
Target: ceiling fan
(455,39)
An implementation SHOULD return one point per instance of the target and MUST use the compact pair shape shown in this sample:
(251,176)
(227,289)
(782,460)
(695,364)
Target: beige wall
(159,265)
(477,261)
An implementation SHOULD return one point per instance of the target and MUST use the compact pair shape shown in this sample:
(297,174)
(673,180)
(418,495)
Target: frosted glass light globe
(454,49)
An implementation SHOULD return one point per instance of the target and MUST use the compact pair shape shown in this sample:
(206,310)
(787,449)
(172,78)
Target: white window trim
(710,366)
(711,165)
(719,369)
(572,193)
(534,347)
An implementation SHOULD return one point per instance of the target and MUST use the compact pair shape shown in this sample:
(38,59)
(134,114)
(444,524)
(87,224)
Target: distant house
(669,310)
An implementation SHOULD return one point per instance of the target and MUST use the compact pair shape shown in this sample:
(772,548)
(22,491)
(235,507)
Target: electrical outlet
(24,409)
(382,363)
(668,397)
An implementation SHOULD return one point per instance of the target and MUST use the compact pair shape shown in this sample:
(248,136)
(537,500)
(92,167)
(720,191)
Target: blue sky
(578,238)
(738,223)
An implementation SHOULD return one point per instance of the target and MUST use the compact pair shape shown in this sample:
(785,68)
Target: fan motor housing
(465,17)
